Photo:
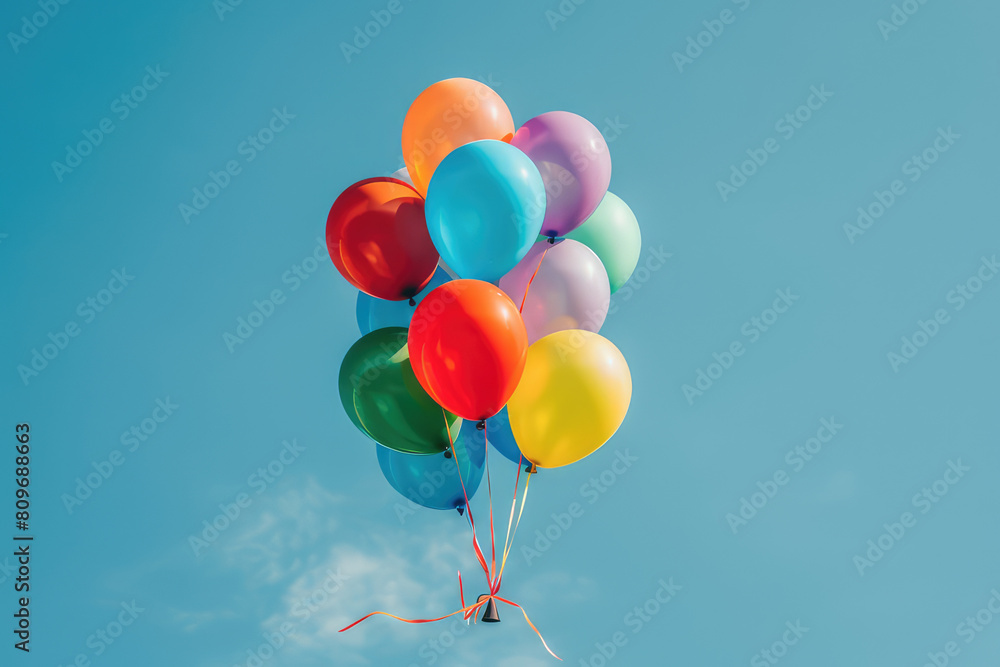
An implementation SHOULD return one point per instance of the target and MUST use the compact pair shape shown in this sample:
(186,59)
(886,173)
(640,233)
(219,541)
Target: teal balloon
(612,232)
(485,206)
(373,313)
(499,435)
(434,480)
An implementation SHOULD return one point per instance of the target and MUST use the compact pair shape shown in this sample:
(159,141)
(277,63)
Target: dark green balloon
(382,397)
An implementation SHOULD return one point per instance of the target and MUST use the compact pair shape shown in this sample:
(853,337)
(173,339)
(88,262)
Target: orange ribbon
(470,610)
(493,578)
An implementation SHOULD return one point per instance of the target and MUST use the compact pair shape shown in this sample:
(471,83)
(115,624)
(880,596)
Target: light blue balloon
(432,480)
(499,435)
(484,208)
(375,313)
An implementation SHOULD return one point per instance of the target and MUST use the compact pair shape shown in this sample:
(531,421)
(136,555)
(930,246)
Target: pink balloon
(575,164)
(570,290)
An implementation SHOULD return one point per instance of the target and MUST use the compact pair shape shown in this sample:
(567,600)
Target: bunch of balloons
(485,271)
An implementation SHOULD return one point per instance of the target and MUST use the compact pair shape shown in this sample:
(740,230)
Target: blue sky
(838,110)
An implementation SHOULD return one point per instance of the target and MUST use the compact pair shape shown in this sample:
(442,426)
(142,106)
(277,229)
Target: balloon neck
(481,425)
(530,469)
(447,453)
(552,240)
(461,510)
(412,301)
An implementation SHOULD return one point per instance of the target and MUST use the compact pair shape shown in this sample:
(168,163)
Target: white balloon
(403,175)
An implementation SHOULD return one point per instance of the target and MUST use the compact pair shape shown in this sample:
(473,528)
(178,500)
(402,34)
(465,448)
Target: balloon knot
(481,425)
(447,453)
(412,302)
(552,240)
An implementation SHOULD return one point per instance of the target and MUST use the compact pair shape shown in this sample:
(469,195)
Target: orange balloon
(449,114)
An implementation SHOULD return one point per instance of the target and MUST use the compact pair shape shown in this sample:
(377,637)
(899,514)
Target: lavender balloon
(570,290)
(575,164)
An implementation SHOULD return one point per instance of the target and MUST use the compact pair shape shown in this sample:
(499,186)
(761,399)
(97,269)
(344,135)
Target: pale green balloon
(612,232)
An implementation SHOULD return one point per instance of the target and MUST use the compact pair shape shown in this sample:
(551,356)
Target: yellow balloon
(572,397)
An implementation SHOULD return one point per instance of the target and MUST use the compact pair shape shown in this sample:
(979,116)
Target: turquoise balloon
(485,206)
(434,480)
(375,313)
(499,436)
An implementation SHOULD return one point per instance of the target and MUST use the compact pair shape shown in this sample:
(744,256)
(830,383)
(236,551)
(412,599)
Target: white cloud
(271,541)
(329,573)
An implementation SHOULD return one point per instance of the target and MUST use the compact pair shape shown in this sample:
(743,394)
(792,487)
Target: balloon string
(416,620)
(483,599)
(524,499)
(528,286)
(489,488)
(510,521)
(468,506)
(469,611)
(514,604)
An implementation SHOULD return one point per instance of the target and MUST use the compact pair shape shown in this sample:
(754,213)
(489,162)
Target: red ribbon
(493,578)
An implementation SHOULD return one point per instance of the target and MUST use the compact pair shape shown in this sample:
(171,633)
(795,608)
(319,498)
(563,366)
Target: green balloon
(612,232)
(382,397)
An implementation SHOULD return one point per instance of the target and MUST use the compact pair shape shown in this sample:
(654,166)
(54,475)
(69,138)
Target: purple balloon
(570,290)
(575,164)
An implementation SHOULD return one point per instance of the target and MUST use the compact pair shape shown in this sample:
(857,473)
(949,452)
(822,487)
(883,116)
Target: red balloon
(378,239)
(468,346)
